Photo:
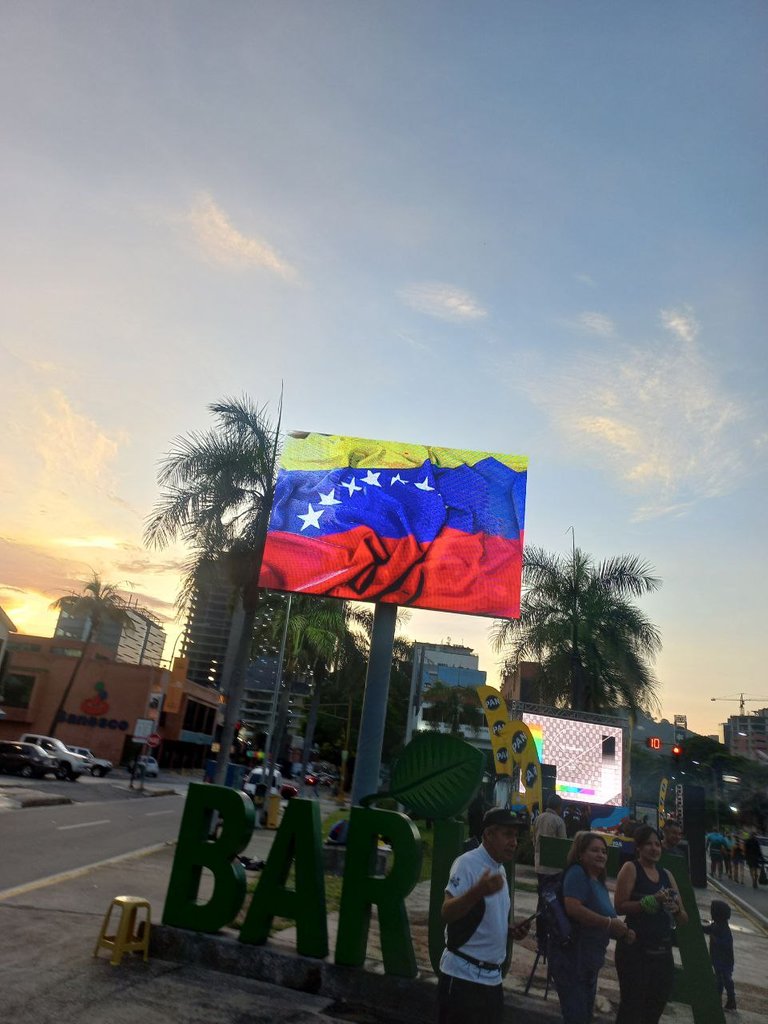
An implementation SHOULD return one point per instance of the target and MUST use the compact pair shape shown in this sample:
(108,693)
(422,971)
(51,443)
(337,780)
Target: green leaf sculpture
(436,775)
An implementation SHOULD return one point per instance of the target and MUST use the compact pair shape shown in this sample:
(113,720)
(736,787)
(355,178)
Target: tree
(578,621)
(98,604)
(453,706)
(217,493)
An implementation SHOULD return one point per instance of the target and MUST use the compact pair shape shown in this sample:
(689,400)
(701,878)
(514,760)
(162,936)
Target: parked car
(96,765)
(71,765)
(149,764)
(26,759)
(255,784)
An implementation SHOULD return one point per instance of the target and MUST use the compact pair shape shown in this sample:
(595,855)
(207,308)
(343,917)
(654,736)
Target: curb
(346,985)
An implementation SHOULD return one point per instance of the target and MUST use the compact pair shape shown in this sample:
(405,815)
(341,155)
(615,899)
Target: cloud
(680,322)
(221,242)
(596,323)
(72,446)
(656,414)
(444,301)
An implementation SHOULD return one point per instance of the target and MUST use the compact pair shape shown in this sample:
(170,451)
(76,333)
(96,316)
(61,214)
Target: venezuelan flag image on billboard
(407,524)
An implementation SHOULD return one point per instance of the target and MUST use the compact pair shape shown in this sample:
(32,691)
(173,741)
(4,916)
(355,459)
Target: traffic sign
(153,740)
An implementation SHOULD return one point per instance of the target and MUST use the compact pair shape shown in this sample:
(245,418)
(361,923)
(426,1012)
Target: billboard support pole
(371,736)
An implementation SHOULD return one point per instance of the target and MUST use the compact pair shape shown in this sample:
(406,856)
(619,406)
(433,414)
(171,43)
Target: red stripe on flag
(476,574)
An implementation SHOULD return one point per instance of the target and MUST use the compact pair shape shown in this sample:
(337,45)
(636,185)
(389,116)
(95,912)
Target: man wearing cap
(476,914)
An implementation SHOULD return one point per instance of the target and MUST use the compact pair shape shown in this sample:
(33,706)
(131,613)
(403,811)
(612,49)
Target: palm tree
(218,488)
(98,604)
(322,634)
(577,619)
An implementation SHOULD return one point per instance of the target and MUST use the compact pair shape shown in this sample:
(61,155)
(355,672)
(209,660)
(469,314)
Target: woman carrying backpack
(587,903)
(649,896)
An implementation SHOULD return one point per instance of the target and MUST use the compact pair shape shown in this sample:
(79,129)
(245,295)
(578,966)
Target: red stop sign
(153,740)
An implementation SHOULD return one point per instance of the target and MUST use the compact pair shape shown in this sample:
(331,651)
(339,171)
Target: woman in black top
(649,897)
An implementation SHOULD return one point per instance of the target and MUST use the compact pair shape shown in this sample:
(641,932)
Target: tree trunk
(235,694)
(309,732)
(70,684)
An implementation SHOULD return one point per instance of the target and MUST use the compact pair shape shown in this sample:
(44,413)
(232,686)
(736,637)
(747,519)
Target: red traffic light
(677,751)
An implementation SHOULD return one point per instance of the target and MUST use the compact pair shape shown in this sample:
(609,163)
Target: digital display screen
(408,524)
(588,757)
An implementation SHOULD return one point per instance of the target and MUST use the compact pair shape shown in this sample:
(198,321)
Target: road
(107,820)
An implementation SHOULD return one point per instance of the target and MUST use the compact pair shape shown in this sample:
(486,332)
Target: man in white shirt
(476,914)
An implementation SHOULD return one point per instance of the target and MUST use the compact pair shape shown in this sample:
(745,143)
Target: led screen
(588,757)
(408,524)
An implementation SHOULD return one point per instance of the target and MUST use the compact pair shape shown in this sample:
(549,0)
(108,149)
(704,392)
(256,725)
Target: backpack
(560,928)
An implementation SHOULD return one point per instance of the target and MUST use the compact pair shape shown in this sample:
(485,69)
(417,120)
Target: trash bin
(233,778)
(273,810)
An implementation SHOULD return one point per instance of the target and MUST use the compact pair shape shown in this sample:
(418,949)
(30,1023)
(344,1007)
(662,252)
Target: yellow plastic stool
(129,937)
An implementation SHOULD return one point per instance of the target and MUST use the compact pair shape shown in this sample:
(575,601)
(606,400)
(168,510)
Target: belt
(483,964)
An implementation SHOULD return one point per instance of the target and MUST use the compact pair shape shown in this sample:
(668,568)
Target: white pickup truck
(96,765)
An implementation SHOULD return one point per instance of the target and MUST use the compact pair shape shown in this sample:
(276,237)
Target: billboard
(406,524)
(588,756)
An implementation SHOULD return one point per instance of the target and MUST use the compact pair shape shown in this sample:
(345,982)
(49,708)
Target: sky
(505,226)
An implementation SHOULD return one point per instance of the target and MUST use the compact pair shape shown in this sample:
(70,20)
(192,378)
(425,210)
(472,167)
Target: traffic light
(677,750)
(654,743)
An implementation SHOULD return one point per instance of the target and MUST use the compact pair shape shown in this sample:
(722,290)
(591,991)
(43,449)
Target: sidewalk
(47,934)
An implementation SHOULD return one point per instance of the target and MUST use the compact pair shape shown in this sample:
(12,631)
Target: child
(721,950)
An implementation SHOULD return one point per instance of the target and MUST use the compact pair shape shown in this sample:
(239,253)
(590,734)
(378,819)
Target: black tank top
(650,929)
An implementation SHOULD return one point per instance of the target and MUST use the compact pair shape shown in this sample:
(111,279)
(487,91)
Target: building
(6,628)
(106,702)
(140,643)
(211,633)
(747,735)
(449,664)
(520,685)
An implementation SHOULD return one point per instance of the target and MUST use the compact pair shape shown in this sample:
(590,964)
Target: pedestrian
(549,823)
(727,854)
(721,950)
(649,897)
(738,859)
(671,836)
(753,856)
(716,844)
(587,903)
(475,912)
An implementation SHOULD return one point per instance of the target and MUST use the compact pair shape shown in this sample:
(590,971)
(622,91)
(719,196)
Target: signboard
(143,728)
(153,740)
(406,524)
(681,726)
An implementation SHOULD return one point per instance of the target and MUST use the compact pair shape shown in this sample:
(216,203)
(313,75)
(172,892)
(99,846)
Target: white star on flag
(351,486)
(329,499)
(424,485)
(312,518)
(371,478)
(397,479)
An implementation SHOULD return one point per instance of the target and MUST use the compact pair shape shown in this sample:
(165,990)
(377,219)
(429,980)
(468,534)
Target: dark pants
(574,971)
(645,983)
(724,978)
(466,1002)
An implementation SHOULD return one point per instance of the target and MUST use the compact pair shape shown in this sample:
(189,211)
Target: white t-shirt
(489,942)
(547,824)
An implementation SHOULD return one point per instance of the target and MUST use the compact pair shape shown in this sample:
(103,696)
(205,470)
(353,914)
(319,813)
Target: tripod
(541,954)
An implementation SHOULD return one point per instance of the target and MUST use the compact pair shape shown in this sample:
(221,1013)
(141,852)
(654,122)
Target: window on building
(16,690)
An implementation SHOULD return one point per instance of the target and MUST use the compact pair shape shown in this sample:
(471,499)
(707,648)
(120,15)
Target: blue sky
(514,227)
